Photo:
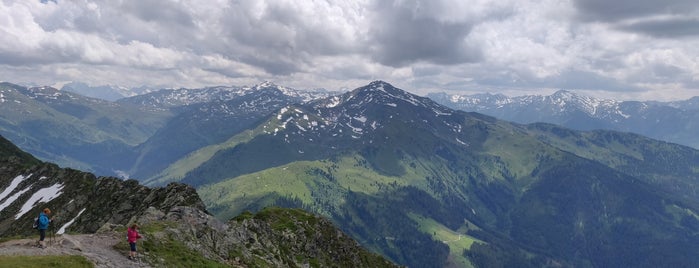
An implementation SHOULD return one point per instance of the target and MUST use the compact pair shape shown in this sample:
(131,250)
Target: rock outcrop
(79,201)
(274,237)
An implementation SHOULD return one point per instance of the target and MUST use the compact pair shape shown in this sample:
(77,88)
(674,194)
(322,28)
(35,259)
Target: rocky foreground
(98,248)
(188,236)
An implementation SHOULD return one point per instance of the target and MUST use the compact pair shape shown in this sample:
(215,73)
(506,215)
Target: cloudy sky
(624,49)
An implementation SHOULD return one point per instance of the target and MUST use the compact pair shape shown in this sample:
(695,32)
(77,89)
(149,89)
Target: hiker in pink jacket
(132,236)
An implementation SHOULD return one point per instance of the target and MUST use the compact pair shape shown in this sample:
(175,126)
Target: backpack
(36,223)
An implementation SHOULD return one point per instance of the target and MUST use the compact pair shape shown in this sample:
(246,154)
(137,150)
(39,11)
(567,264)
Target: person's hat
(47,210)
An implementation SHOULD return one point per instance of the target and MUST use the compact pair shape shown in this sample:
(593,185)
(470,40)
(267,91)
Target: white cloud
(421,45)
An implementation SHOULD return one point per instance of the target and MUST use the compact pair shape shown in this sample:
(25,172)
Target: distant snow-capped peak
(562,100)
(305,95)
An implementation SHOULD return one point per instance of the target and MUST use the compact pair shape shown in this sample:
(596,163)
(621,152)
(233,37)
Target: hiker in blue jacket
(44,221)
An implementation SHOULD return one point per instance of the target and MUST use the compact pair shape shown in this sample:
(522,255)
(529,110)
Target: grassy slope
(176,171)
(299,180)
(68,261)
(670,167)
(487,176)
(458,240)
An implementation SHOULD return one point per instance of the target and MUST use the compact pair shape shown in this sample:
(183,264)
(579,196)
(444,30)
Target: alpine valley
(421,184)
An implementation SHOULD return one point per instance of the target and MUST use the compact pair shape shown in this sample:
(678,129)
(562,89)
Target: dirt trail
(97,248)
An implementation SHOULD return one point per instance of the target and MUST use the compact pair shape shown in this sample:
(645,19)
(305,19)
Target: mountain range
(426,185)
(130,136)
(674,121)
(104,92)
(205,117)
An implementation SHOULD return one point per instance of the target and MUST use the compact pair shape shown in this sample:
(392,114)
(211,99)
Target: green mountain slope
(669,167)
(204,124)
(398,172)
(73,130)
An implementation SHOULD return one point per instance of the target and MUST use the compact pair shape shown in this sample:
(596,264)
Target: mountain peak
(265,84)
(378,83)
(383,94)
(385,87)
(564,94)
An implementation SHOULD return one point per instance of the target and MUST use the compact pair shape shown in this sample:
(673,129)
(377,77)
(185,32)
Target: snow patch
(12,199)
(462,143)
(357,130)
(62,230)
(281,112)
(15,182)
(335,101)
(438,112)
(44,195)
(623,114)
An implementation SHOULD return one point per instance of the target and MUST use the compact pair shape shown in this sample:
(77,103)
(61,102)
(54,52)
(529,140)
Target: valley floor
(98,248)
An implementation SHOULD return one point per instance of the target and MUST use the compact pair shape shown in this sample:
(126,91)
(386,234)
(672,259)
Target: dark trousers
(42,234)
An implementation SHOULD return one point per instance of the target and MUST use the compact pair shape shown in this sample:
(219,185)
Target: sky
(622,49)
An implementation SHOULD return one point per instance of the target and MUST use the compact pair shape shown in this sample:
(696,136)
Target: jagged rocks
(80,202)
(274,237)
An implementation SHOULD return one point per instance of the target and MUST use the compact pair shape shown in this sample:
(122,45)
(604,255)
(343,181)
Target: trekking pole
(52,237)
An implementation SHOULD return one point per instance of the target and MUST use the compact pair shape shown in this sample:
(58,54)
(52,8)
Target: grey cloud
(673,28)
(567,79)
(426,71)
(576,79)
(228,72)
(158,11)
(353,70)
(280,37)
(12,58)
(401,36)
(660,19)
(307,38)
(275,65)
(611,11)
(160,23)
(48,53)
(661,73)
